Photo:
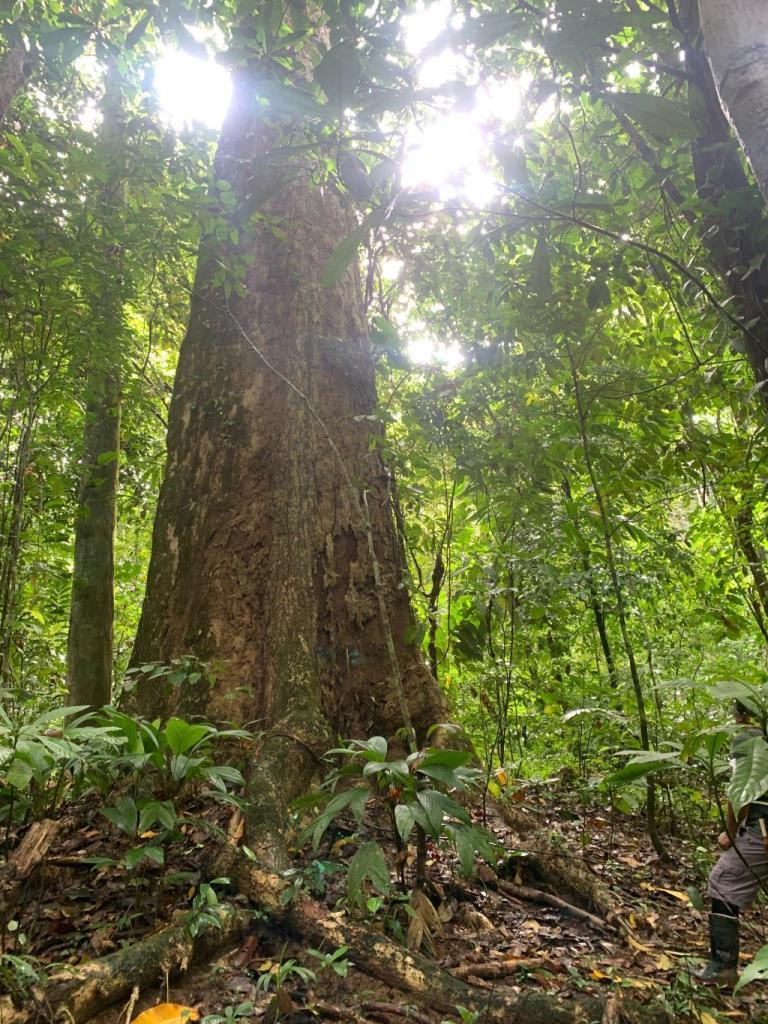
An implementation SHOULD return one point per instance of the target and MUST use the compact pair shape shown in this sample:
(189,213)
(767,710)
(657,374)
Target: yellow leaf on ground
(682,896)
(167,1013)
(707,1018)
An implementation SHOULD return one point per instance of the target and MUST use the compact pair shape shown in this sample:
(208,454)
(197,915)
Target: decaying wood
(502,968)
(76,995)
(24,859)
(525,892)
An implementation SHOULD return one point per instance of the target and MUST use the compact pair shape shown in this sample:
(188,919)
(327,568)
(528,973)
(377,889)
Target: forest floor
(71,911)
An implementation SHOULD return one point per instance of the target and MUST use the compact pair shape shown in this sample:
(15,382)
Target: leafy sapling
(414,793)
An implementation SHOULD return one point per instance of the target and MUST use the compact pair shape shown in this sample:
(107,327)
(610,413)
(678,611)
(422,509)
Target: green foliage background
(594,253)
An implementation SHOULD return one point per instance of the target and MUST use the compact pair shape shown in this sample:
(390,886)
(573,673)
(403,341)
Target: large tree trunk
(736,40)
(261,561)
(91,614)
(733,232)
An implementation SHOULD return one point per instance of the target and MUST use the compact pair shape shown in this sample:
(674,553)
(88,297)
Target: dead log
(30,853)
(76,995)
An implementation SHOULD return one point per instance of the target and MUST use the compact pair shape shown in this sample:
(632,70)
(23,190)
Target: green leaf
(660,117)
(125,815)
(404,820)
(181,736)
(641,766)
(750,776)
(433,811)
(368,863)
(442,773)
(465,847)
(756,971)
(343,254)
(451,758)
(338,74)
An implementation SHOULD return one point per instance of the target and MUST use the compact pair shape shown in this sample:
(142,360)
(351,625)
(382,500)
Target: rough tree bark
(14,69)
(91,615)
(10,549)
(736,41)
(735,232)
(261,559)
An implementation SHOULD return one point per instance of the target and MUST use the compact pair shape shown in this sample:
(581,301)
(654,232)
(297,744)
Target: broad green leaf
(433,811)
(750,776)
(343,254)
(368,863)
(660,117)
(756,971)
(404,820)
(338,74)
(641,766)
(181,736)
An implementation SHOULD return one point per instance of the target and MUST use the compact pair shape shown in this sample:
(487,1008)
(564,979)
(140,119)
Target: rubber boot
(722,968)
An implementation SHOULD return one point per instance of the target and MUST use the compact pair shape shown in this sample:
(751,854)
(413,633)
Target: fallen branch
(538,896)
(503,968)
(338,1013)
(77,994)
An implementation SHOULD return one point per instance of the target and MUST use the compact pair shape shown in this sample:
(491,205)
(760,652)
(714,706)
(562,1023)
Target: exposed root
(409,972)
(524,892)
(566,874)
(77,994)
(396,1010)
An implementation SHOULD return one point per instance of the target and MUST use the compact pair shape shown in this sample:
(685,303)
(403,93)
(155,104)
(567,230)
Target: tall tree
(89,644)
(736,40)
(274,553)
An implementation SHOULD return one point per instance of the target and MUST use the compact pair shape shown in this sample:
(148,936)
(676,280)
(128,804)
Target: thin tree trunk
(91,615)
(642,715)
(743,528)
(10,564)
(274,554)
(89,644)
(14,68)
(736,42)
(594,598)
